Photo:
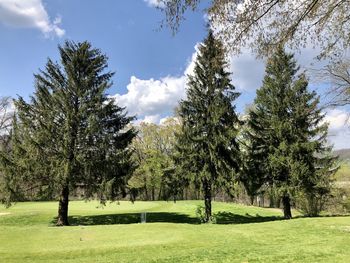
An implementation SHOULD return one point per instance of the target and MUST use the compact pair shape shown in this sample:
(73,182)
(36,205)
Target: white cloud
(155,3)
(192,62)
(165,119)
(247,71)
(149,99)
(29,14)
(337,119)
(152,119)
(153,99)
(339,128)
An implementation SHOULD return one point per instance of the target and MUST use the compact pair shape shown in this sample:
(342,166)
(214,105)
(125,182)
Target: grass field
(172,234)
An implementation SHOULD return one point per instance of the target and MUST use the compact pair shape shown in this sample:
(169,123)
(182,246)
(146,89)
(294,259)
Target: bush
(311,204)
(200,213)
(341,200)
(338,201)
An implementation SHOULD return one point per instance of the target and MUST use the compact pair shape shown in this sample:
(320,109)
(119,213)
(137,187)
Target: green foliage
(340,195)
(153,149)
(346,204)
(254,172)
(288,137)
(207,146)
(70,134)
(201,215)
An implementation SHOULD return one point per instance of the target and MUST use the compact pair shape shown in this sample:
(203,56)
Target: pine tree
(253,174)
(287,129)
(71,135)
(207,145)
(313,163)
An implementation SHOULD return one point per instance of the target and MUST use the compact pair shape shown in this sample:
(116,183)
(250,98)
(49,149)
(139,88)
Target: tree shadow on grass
(231,218)
(131,218)
(164,217)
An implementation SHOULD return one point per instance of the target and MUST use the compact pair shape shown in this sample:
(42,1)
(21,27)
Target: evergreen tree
(312,161)
(286,127)
(253,174)
(70,135)
(207,145)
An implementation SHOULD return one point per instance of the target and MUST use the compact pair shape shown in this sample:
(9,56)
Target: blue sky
(128,31)
(150,63)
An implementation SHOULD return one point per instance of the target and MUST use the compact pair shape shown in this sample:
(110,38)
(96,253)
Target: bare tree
(338,76)
(266,24)
(6,114)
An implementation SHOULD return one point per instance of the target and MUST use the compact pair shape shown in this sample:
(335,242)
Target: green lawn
(113,234)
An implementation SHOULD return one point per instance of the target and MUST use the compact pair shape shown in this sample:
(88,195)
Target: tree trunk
(63,207)
(252,199)
(153,193)
(272,201)
(146,193)
(160,193)
(72,126)
(286,207)
(207,200)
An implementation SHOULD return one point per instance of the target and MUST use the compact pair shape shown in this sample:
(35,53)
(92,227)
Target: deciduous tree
(264,25)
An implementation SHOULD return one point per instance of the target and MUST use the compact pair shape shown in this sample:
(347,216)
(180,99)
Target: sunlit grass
(172,234)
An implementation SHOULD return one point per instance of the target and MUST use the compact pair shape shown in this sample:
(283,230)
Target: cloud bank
(339,128)
(155,3)
(29,14)
(151,99)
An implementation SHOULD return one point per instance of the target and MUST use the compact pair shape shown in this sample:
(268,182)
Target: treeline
(277,150)
(71,139)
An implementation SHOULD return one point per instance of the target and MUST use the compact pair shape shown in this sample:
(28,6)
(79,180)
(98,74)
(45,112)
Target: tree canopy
(265,25)
(338,76)
(153,148)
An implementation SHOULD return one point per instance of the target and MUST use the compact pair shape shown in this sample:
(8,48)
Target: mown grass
(172,234)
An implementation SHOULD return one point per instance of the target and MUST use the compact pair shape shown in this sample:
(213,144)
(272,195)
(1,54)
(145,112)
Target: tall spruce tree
(312,161)
(207,145)
(286,130)
(70,135)
(253,173)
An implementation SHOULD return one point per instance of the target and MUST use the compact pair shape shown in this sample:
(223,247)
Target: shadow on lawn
(231,218)
(131,218)
(165,217)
